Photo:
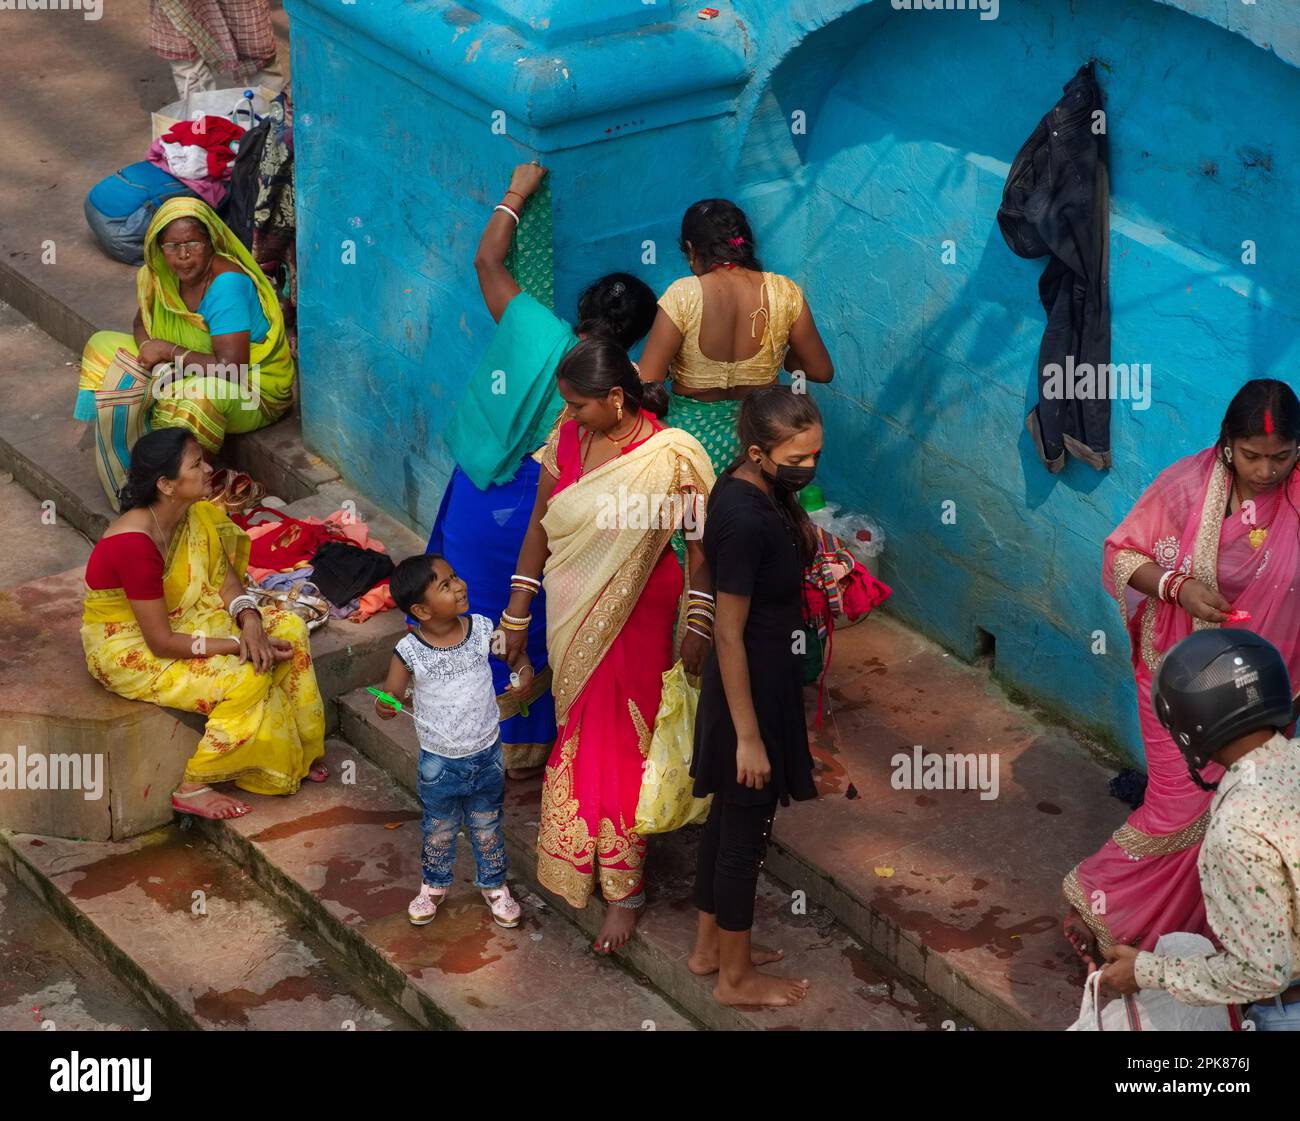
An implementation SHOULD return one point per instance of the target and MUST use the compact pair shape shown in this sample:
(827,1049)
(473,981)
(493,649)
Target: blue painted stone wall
(909,121)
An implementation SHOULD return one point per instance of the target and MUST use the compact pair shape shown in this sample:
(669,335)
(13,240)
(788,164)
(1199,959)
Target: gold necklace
(1258,535)
(166,541)
(631,435)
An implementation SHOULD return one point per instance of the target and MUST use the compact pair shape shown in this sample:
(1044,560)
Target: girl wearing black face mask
(751,743)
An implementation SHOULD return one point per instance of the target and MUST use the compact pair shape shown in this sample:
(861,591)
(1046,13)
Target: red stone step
(851,989)
(960,892)
(344,856)
(49,981)
(194,937)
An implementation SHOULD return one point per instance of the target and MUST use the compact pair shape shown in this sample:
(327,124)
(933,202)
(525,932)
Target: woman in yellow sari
(165,620)
(207,309)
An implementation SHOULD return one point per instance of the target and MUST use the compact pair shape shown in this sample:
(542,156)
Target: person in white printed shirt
(1225,696)
(462,776)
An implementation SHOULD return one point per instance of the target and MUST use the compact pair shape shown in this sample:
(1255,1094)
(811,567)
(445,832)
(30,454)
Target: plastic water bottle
(251,111)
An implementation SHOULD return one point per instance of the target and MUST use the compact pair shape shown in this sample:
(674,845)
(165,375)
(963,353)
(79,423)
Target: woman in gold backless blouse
(715,359)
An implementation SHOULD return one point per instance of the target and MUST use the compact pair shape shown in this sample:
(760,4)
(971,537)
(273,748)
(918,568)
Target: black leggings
(730,855)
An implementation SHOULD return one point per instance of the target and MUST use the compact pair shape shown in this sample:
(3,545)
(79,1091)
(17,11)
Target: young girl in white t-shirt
(462,774)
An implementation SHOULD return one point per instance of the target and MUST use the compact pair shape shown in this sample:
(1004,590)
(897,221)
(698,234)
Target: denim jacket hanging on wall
(1057,201)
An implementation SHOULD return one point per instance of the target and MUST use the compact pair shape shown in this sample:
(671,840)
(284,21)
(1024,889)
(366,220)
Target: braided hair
(719,232)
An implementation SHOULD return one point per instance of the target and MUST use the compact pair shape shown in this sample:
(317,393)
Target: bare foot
(520,774)
(760,988)
(617,928)
(1081,939)
(319,772)
(201,801)
(702,962)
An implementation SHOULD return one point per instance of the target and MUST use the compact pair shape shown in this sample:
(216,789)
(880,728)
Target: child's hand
(384,710)
(522,672)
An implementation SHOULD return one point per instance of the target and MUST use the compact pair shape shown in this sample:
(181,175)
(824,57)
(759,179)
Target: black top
(753,550)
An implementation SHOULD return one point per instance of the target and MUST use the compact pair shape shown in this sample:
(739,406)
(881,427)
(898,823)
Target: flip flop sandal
(302,600)
(195,811)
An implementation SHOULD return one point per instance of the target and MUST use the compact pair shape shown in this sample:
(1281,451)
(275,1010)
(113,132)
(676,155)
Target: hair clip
(736,241)
(617,288)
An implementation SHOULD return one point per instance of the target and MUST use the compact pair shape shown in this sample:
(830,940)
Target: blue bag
(120,208)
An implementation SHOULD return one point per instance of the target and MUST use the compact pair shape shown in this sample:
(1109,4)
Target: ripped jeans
(468,792)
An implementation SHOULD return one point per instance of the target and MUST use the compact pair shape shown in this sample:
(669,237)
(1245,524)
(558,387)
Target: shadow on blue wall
(911,121)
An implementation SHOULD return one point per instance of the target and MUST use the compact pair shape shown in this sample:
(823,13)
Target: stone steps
(344,858)
(958,893)
(50,981)
(52,456)
(193,937)
(852,988)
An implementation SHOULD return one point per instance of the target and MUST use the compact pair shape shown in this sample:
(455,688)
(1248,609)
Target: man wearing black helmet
(1224,695)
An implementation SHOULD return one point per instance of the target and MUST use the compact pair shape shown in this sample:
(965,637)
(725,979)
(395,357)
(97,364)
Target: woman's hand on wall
(527,178)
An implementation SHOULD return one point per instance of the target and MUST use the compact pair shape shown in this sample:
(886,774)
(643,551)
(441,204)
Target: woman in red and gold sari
(1216,533)
(616,484)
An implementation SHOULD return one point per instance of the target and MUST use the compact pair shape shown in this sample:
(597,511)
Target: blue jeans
(456,792)
(1273,1015)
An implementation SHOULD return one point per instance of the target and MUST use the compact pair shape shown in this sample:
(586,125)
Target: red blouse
(568,451)
(129,561)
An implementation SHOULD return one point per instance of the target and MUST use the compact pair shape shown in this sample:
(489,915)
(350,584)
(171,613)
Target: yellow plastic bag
(666,802)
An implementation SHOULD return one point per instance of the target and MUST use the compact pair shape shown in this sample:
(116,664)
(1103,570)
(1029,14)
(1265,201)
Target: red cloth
(212,133)
(130,561)
(292,545)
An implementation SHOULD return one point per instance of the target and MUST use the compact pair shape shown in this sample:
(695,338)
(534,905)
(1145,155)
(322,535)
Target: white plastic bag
(1153,1009)
(229,103)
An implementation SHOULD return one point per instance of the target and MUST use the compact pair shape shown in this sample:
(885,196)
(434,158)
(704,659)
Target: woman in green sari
(206,309)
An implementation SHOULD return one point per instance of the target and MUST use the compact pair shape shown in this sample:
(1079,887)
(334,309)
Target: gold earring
(620,414)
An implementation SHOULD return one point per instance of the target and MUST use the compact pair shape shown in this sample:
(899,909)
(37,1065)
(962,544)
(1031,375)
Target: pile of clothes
(200,154)
(336,558)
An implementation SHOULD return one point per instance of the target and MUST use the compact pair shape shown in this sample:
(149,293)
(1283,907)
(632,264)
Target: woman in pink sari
(1217,532)
(615,485)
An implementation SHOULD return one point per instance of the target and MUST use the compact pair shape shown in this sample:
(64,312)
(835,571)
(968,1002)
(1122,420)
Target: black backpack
(241,195)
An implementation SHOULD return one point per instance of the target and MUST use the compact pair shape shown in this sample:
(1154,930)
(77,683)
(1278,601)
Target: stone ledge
(51,705)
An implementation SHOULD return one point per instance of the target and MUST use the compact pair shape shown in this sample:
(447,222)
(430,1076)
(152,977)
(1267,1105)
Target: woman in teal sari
(507,413)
